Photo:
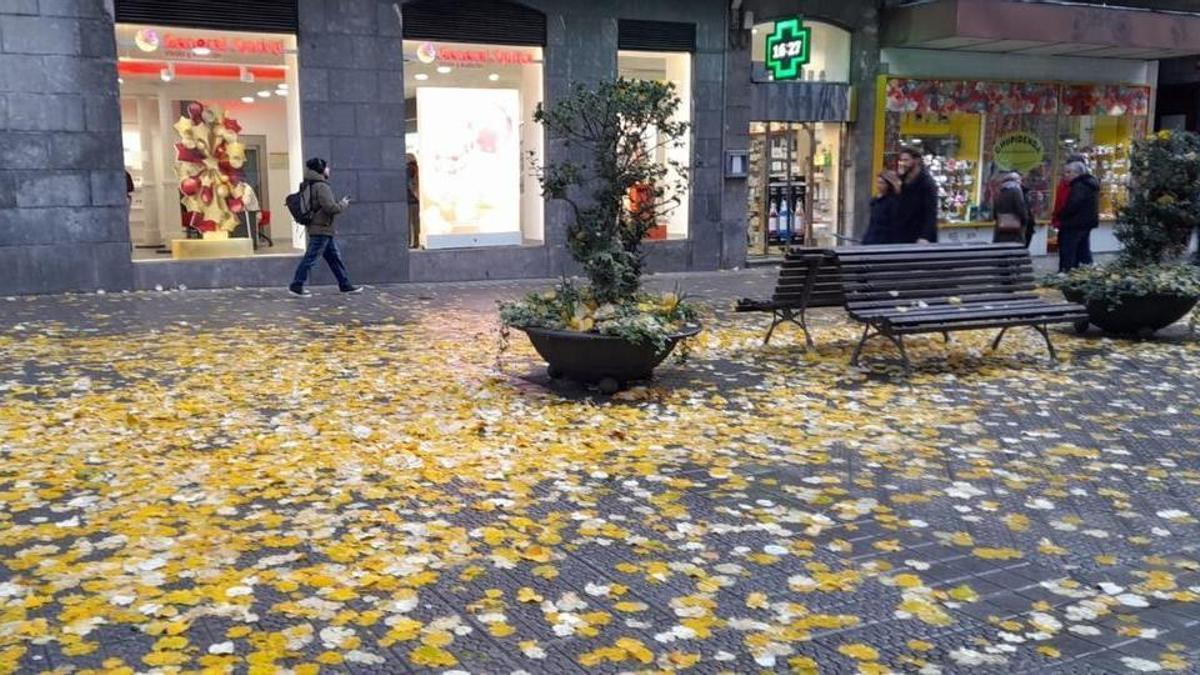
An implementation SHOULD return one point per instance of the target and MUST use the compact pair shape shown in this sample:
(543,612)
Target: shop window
(828,52)
(1104,142)
(211,127)
(972,132)
(794,184)
(676,68)
(470,133)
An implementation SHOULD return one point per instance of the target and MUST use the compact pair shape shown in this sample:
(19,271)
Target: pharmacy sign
(788,49)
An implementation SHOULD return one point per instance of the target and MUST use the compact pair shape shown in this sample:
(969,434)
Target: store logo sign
(1018,151)
(220,45)
(427,53)
(146,39)
(789,48)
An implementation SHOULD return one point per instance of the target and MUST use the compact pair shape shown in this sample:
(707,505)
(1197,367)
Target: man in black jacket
(918,208)
(1079,215)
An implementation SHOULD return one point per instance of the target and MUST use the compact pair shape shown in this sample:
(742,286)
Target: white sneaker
(302,293)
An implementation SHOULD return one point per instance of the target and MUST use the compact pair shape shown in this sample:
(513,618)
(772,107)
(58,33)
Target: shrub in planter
(616,190)
(1148,286)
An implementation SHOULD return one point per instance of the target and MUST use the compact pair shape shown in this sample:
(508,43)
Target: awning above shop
(1042,28)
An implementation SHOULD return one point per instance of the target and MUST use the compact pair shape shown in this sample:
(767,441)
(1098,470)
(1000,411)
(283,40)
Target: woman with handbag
(1011,209)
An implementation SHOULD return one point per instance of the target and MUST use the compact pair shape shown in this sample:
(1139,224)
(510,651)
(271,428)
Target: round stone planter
(1135,315)
(609,362)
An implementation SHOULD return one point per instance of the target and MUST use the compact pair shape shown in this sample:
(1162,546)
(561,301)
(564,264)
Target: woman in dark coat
(1011,209)
(884,227)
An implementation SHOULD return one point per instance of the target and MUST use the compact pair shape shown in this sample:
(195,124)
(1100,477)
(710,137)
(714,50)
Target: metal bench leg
(899,340)
(858,348)
(777,318)
(996,342)
(803,323)
(946,337)
(1049,345)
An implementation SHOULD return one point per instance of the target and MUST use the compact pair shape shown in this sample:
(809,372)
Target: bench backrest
(914,272)
(827,286)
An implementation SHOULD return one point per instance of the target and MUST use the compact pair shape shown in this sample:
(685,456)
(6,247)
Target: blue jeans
(321,245)
(1074,248)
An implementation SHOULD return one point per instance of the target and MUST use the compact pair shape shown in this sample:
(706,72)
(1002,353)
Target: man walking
(918,207)
(318,196)
(1080,214)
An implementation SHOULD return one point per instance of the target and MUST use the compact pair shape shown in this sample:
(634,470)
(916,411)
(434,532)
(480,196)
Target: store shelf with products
(793,183)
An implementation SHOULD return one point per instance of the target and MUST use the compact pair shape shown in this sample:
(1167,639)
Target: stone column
(352,112)
(63,214)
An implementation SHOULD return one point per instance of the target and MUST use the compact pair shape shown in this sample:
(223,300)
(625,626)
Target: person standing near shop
(1063,189)
(1011,209)
(414,200)
(1080,214)
(917,211)
(319,196)
(884,227)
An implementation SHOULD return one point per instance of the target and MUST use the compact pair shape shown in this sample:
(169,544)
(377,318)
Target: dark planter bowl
(608,361)
(1136,315)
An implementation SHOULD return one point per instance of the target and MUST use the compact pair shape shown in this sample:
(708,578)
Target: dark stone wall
(63,212)
(352,114)
(582,47)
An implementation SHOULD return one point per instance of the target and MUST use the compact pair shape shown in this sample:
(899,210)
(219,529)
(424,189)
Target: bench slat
(987,297)
(999,312)
(857,274)
(922,293)
(902,311)
(987,323)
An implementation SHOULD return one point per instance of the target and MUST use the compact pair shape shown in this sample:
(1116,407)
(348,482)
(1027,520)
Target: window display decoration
(1113,100)
(962,96)
(1015,98)
(208,163)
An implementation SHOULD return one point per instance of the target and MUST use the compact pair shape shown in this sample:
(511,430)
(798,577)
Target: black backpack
(301,211)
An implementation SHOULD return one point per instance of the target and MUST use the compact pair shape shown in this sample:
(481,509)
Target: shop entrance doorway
(795,179)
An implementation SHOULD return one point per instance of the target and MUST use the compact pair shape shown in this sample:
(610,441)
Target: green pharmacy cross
(788,48)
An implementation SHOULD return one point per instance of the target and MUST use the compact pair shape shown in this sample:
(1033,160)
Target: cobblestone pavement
(243,481)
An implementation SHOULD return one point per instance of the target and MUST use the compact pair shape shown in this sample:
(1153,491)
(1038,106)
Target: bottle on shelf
(785,220)
(773,219)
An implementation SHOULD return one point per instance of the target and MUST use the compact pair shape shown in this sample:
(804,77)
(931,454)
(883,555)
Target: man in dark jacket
(917,211)
(1079,215)
(318,195)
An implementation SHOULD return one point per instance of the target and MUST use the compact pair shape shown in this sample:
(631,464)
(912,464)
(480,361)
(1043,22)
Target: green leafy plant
(617,189)
(1154,228)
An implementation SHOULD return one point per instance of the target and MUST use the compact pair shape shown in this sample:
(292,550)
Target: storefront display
(470,128)
(794,184)
(470,167)
(201,112)
(675,68)
(971,132)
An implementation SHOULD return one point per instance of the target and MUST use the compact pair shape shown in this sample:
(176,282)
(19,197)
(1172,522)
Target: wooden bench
(904,290)
(807,278)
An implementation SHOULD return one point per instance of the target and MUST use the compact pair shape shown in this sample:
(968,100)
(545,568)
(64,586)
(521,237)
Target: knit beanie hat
(317,164)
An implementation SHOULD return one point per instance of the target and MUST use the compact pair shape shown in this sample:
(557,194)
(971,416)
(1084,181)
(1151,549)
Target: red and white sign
(221,45)
(428,53)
